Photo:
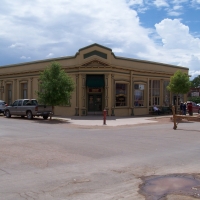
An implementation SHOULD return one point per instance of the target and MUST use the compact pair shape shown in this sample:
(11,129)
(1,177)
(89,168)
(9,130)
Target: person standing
(181,108)
(184,108)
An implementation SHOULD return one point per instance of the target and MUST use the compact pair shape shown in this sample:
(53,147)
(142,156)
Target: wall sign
(95,90)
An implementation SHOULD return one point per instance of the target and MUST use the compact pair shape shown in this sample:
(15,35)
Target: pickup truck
(29,108)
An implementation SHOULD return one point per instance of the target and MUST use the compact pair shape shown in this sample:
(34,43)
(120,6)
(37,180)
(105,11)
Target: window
(9,94)
(121,94)
(24,87)
(15,103)
(30,102)
(166,94)
(138,95)
(154,92)
(20,103)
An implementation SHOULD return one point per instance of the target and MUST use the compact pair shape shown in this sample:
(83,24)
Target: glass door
(94,102)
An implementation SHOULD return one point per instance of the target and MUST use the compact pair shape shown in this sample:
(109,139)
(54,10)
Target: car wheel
(7,113)
(45,117)
(29,115)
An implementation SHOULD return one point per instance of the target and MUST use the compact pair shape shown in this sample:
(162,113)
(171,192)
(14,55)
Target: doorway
(95,103)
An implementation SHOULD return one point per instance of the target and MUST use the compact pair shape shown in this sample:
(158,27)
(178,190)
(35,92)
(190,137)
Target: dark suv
(2,106)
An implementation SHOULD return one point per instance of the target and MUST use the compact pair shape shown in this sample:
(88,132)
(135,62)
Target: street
(54,160)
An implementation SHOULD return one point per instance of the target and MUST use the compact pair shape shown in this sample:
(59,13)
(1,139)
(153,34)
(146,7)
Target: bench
(163,110)
(166,110)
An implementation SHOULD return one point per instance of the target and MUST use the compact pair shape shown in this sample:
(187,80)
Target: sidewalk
(110,120)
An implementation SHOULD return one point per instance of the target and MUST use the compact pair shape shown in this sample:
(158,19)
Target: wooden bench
(177,118)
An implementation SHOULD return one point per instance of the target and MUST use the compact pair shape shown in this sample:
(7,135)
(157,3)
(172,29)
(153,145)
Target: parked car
(29,108)
(195,107)
(2,106)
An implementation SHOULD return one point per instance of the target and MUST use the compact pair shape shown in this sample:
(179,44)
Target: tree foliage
(179,83)
(194,99)
(55,86)
(195,83)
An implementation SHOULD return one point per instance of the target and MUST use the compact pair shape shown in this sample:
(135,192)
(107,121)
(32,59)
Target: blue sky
(156,30)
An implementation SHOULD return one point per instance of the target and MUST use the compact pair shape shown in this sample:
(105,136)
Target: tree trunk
(177,104)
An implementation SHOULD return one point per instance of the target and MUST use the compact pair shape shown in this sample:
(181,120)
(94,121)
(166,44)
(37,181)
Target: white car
(2,106)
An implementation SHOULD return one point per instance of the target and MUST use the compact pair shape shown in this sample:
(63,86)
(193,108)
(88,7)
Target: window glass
(15,103)
(24,87)
(121,94)
(138,95)
(154,92)
(20,103)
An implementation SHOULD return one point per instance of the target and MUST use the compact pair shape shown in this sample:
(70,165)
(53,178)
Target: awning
(95,81)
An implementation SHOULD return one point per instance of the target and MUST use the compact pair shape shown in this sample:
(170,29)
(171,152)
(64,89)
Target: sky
(154,30)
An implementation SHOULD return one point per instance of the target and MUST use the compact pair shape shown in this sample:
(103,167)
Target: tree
(55,86)
(195,83)
(179,84)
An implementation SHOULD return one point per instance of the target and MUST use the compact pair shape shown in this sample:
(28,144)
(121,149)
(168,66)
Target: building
(123,86)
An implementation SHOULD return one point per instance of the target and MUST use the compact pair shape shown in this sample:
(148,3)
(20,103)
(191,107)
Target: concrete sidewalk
(110,120)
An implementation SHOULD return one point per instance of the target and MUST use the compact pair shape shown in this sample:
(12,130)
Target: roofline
(40,61)
(95,44)
(147,61)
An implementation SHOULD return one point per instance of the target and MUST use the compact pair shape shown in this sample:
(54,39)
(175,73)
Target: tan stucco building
(123,86)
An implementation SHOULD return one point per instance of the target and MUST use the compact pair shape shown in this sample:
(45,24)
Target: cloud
(43,29)
(49,55)
(193,62)
(16,45)
(24,57)
(161,3)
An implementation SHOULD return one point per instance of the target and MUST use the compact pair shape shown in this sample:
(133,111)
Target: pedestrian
(156,109)
(181,108)
(184,108)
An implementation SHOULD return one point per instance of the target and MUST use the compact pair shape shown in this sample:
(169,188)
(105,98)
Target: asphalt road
(54,160)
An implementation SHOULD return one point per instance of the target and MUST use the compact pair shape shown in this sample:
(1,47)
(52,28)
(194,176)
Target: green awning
(95,81)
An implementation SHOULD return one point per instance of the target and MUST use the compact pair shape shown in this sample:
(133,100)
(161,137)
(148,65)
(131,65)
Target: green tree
(195,83)
(179,84)
(55,86)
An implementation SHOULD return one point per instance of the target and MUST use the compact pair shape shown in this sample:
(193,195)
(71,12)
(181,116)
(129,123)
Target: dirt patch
(173,185)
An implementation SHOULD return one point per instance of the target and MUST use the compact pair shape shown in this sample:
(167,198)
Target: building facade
(122,86)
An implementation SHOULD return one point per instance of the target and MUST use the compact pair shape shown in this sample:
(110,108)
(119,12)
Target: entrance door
(95,102)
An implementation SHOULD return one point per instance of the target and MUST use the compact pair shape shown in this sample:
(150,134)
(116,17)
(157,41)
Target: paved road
(55,160)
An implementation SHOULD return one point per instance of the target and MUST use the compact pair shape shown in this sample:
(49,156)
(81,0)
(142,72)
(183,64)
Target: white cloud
(174,13)
(16,45)
(134,2)
(117,50)
(24,57)
(161,3)
(49,55)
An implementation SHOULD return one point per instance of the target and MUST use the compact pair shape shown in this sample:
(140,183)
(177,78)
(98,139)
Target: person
(181,108)
(184,108)
(189,107)
(156,109)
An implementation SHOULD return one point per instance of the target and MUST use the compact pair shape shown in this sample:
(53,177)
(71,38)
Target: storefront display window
(121,94)
(138,95)
(154,92)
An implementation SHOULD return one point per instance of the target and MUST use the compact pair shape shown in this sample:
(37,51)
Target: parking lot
(42,159)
